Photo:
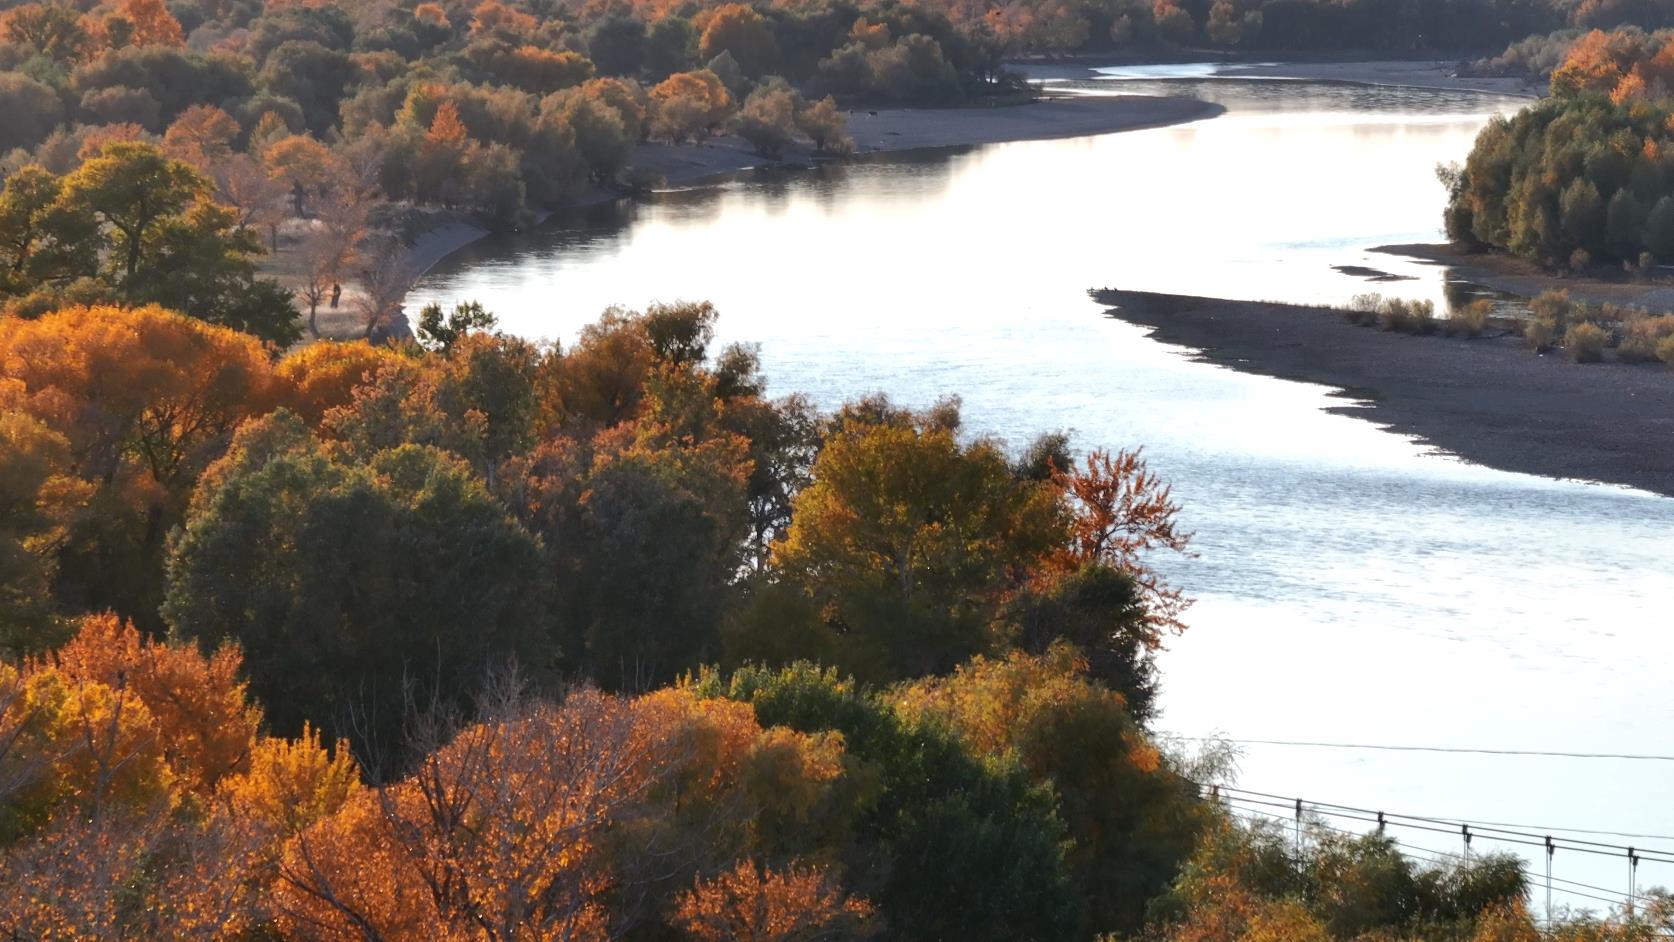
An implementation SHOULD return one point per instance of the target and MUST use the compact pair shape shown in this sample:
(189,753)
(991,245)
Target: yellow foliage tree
(324,376)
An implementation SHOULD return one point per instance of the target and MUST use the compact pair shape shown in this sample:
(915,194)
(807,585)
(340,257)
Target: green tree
(952,847)
(133,188)
(42,239)
(1624,226)
(1101,610)
(1581,211)
(441,332)
(909,540)
(201,262)
(1659,230)
(29,111)
(617,45)
(670,47)
(1134,820)
(355,588)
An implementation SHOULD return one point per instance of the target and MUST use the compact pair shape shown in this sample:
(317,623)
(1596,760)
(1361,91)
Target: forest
(1587,176)
(504,107)
(477,639)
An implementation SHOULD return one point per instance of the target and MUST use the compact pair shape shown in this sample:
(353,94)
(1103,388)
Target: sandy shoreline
(1489,401)
(894,130)
(1522,277)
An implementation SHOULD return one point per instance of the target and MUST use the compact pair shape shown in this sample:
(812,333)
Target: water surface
(1353,586)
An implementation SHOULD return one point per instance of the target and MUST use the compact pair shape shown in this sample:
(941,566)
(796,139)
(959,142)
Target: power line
(1427,823)
(1442,856)
(1616,897)
(1380,747)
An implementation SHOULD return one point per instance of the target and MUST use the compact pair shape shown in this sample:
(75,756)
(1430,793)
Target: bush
(1363,308)
(1422,316)
(1641,337)
(1551,306)
(1665,351)
(1539,333)
(1394,315)
(1585,343)
(1470,320)
(1410,317)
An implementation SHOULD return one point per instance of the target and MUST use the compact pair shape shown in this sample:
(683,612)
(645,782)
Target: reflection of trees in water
(1460,294)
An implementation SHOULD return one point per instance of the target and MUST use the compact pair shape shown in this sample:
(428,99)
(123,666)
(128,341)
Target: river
(1352,585)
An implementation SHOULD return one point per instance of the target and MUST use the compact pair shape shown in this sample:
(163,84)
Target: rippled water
(1352,585)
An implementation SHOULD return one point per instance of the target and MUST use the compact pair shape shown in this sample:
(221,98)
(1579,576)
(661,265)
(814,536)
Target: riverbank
(896,130)
(1522,277)
(1489,401)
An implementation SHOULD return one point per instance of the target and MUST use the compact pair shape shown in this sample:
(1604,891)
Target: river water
(1353,586)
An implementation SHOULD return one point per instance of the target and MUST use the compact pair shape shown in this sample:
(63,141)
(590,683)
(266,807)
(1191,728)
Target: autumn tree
(826,126)
(1134,818)
(38,496)
(571,820)
(737,29)
(324,376)
(751,904)
(303,164)
(768,118)
(202,134)
(688,105)
(49,29)
(1122,513)
(146,399)
(149,23)
(968,849)
(907,540)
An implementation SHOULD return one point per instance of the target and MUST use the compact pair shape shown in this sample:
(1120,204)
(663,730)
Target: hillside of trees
(477,639)
(1587,176)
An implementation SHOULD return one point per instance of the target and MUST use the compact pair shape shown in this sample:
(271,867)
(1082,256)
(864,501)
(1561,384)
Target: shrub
(1410,317)
(1585,343)
(1422,316)
(1665,351)
(1395,314)
(1363,309)
(1553,306)
(1642,335)
(1580,260)
(1539,333)
(1470,320)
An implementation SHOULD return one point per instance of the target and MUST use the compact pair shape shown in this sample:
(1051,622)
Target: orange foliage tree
(145,399)
(547,821)
(324,376)
(753,904)
(204,719)
(136,798)
(1123,512)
